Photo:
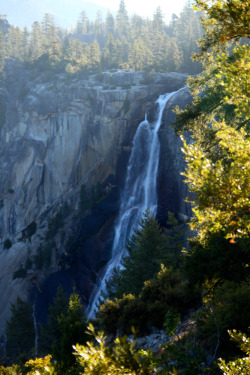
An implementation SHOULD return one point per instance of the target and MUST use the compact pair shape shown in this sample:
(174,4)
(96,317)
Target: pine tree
(110,23)
(122,20)
(93,55)
(50,334)
(20,331)
(36,40)
(72,326)
(146,251)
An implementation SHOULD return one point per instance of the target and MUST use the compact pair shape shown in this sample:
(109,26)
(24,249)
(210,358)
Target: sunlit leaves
(225,20)
(239,366)
(222,187)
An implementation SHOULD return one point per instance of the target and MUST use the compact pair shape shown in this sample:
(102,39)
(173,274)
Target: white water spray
(140,192)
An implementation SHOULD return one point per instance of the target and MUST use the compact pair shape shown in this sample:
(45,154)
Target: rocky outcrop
(56,136)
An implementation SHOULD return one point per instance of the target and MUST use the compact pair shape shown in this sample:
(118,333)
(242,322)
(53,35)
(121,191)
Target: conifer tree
(72,326)
(146,251)
(20,331)
(122,20)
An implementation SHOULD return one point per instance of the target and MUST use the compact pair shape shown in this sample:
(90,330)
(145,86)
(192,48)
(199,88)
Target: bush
(238,366)
(20,273)
(167,292)
(172,319)
(119,358)
(7,244)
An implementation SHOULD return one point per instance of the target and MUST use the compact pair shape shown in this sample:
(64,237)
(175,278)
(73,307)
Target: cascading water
(140,192)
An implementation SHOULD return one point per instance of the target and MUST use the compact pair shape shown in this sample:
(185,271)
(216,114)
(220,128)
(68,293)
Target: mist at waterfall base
(139,194)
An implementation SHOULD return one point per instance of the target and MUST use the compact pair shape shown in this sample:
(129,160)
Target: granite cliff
(56,137)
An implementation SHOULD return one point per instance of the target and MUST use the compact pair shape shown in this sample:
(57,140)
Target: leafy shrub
(238,366)
(40,366)
(13,370)
(158,296)
(31,230)
(228,307)
(172,319)
(20,273)
(118,358)
(7,244)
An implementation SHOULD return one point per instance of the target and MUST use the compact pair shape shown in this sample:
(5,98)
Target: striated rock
(56,136)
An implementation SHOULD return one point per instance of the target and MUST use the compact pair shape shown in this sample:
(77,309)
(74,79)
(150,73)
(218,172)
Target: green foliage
(218,159)
(31,230)
(20,273)
(218,173)
(167,292)
(146,251)
(72,327)
(7,244)
(65,326)
(174,236)
(217,259)
(172,319)
(221,187)
(51,333)
(40,366)
(20,331)
(188,358)
(238,366)
(121,357)
(13,370)
(226,306)
(117,43)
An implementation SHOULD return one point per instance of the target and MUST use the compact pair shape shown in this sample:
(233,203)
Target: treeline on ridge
(118,42)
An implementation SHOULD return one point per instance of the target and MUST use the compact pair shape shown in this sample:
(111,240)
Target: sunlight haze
(66,12)
(146,8)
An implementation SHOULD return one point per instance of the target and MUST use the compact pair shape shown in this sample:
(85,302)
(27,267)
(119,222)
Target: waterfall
(35,328)
(140,192)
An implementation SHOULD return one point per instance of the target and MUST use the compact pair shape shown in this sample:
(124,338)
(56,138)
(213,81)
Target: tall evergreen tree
(146,251)
(20,331)
(72,327)
(122,20)
(110,23)
(50,334)
(36,40)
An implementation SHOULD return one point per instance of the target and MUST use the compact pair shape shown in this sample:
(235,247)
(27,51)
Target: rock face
(55,137)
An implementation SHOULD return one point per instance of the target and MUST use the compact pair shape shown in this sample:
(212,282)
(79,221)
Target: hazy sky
(66,12)
(145,8)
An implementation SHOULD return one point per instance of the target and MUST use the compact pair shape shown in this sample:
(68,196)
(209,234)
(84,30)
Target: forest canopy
(117,42)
